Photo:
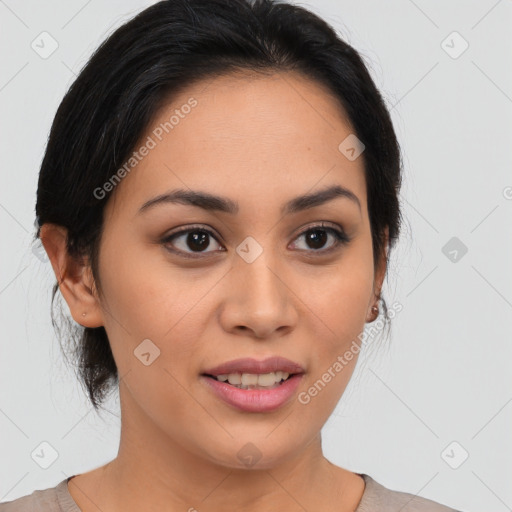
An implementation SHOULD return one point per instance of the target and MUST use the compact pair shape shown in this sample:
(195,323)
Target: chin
(255,455)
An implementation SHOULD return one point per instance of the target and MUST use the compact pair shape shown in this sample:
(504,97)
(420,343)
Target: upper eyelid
(188,229)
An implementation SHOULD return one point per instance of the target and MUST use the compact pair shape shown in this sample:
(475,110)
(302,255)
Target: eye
(316,237)
(191,240)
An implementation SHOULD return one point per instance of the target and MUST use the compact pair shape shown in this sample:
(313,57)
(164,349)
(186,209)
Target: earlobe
(75,278)
(372,316)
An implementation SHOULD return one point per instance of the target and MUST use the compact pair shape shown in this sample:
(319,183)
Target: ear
(75,277)
(380,272)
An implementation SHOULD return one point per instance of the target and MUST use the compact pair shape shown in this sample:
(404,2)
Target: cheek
(147,294)
(340,305)
(338,299)
(149,299)
(152,325)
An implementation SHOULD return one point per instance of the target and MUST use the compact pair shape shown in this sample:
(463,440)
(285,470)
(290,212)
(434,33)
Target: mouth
(255,386)
(251,373)
(270,380)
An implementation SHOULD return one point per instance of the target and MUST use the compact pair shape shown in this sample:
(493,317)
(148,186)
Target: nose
(258,300)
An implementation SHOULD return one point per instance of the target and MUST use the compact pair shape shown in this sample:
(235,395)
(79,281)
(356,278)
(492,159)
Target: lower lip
(255,400)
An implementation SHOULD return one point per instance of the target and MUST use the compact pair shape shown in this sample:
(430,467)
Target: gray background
(446,375)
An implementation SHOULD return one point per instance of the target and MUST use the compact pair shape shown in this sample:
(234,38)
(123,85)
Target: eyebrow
(211,202)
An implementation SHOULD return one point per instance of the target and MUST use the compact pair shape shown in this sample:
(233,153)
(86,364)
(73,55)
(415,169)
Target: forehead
(256,138)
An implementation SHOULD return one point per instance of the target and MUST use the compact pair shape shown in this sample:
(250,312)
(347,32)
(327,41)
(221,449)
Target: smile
(253,397)
(252,380)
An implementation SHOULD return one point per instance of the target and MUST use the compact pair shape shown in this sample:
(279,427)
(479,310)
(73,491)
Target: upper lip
(249,365)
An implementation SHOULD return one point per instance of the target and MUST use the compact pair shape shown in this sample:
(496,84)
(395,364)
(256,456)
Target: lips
(253,366)
(234,382)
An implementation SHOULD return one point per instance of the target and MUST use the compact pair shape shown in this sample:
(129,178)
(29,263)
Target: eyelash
(341,239)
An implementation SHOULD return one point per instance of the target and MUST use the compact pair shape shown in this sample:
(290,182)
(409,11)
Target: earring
(83,314)
(375,313)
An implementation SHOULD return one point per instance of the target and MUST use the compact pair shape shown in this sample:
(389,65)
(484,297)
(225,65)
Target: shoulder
(53,499)
(377,498)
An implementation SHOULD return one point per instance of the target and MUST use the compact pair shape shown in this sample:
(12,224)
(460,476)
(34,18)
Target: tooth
(222,378)
(249,378)
(235,378)
(279,375)
(285,375)
(266,379)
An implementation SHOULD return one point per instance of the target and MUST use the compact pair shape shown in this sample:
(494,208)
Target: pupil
(197,240)
(317,237)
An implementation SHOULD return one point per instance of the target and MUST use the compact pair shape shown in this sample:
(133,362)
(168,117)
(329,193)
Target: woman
(218,198)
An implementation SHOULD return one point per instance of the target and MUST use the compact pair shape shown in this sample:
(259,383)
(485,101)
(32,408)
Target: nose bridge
(259,299)
(256,268)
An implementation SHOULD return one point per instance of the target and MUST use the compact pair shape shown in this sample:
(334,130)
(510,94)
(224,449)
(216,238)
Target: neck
(153,471)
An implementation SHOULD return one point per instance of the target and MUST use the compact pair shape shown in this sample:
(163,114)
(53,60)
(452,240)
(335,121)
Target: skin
(260,141)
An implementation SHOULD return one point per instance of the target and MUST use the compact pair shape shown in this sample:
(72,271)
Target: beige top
(376,498)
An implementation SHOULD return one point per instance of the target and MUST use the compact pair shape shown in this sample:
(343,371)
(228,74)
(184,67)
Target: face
(191,284)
